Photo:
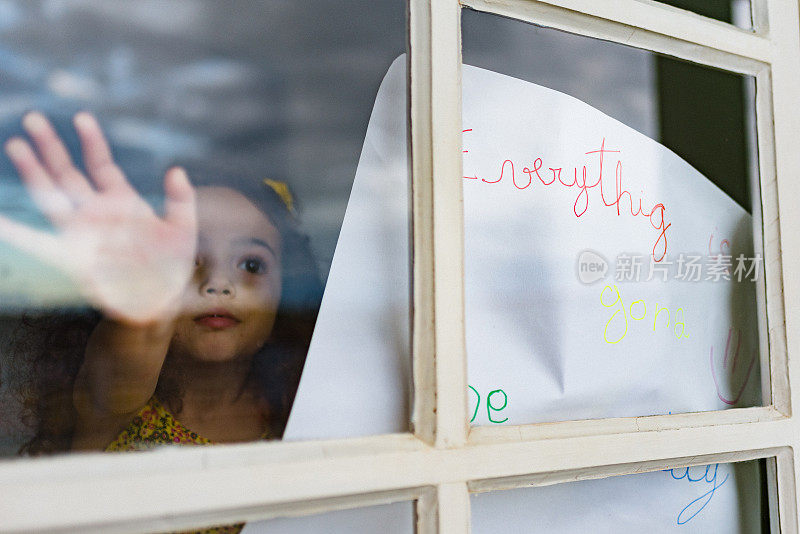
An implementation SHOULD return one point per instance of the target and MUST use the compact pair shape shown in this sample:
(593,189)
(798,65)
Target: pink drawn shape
(744,383)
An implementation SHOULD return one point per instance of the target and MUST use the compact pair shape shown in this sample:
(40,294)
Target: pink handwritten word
(719,253)
(733,363)
(722,244)
(583,183)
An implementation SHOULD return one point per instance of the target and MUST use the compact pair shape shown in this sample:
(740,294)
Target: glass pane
(730,498)
(737,12)
(395,518)
(266,105)
(612,239)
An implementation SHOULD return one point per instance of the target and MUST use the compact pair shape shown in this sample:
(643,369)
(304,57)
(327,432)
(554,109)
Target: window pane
(236,94)
(737,12)
(610,196)
(395,518)
(727,498)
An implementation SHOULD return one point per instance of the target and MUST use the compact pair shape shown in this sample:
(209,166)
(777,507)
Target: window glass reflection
(395,518)
(716,497)
(736,12)
(140,324)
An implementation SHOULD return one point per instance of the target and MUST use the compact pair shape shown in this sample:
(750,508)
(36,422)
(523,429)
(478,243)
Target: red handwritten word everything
(580,180)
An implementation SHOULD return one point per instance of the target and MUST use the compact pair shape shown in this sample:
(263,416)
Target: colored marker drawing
(731,399)
(696,506)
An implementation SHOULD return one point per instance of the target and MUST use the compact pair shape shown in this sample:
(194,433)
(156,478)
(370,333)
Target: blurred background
(275,88)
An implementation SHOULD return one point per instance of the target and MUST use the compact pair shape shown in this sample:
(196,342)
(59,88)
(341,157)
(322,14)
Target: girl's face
(231,303)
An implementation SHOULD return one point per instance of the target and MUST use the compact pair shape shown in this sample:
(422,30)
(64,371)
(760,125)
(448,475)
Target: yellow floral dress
(154,425)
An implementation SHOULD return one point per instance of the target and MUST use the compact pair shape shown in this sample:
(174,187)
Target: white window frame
(443,460)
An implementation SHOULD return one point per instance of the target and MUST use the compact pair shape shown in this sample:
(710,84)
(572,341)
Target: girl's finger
(48,198)
(55,157)
(97,155)
(180,206)
(41,245)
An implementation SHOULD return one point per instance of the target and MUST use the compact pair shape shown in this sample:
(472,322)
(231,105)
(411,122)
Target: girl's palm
(130,262)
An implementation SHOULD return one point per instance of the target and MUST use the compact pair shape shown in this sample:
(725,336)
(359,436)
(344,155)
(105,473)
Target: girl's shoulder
(154,425)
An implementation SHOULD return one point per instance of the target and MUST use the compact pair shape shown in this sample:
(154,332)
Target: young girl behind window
(200,320)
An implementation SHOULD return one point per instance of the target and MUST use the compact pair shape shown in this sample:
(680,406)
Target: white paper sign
(560,200)
(556,192)
(356,377)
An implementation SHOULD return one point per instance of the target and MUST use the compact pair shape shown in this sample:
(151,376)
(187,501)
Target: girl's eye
(253,266)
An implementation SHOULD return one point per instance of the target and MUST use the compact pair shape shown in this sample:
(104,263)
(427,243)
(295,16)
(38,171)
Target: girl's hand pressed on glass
(130,262)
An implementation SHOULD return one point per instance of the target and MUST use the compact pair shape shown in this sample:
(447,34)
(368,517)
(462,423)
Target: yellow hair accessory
(282,190)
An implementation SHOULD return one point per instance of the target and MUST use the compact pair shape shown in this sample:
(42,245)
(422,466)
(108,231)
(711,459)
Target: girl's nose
(218,285)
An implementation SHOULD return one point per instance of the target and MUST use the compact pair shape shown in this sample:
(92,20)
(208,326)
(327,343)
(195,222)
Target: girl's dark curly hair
(54,343)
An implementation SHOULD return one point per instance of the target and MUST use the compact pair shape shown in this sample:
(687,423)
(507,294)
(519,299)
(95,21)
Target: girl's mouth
(217,319)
